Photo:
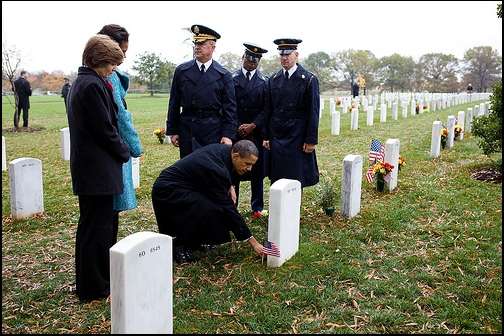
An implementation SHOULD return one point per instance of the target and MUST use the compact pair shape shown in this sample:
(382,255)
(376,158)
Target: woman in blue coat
(120,84)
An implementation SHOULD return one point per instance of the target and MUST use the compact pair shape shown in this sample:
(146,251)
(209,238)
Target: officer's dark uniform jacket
(251,97)
(292,120)
(202,107)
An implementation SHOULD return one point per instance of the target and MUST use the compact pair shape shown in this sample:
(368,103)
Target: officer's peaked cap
(287,45)
(202,33)
(253,52)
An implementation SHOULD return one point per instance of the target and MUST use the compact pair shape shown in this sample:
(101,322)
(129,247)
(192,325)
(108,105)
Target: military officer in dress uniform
(204,90)
(292,119)
(251,97)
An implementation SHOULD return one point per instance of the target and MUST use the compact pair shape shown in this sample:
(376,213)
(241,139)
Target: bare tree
(11,58)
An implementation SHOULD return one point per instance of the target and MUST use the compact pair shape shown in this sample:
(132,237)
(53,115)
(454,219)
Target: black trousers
(25,115)
(95,236)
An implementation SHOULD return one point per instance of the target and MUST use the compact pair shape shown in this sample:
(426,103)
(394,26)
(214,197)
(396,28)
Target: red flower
(257,214)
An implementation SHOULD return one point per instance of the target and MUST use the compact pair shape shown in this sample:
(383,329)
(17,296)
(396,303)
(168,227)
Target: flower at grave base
(338,102)
(444,134)
(160,134)
(401,162)
(261,217)
(326,191)
(381,171)
(457,130)
(417,108)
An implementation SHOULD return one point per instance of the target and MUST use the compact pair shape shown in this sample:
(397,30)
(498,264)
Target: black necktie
(202,69)
(286,74)
(248,75)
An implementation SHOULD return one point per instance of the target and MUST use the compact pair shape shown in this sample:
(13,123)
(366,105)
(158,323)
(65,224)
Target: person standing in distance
(204,90)
(355,89)
(469,91)
(292,119)
(23,91)
(251,97)
(97,154)
(64,92)
(120,84)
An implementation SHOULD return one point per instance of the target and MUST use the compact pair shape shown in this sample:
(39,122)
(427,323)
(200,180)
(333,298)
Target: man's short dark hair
(245,148)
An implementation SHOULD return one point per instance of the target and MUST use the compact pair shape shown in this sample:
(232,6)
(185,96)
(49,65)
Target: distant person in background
(23,91)
(64,91)
(251,97)
(97,154)
(120,84)
(355,90)
(469,91)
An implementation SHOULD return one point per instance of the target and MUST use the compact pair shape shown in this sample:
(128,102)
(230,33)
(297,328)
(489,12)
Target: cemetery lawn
(424,258)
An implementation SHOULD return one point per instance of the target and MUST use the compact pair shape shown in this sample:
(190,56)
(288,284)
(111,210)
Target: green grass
(424,258)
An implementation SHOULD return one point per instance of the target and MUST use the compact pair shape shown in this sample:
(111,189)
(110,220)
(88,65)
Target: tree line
(434,72)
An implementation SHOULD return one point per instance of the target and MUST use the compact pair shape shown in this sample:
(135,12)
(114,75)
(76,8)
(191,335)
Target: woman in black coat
(97,153)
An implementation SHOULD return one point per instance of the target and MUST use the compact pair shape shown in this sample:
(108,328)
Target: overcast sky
(51,34)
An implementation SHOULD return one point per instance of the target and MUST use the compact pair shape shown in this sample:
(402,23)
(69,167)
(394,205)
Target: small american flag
(369,174)
(269,248)
(377,151)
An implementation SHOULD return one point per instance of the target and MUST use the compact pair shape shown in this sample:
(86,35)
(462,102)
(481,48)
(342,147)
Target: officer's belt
(247,110)
(289,114)
(202,113)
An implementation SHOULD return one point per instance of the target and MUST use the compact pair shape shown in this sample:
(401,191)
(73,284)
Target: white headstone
(392,157)
(351,183)
(370,115)
(4,157)
(413,107)
(394,111)
(65,143)
(476,111)
(26,188)
(383,113)
(450,126)
(135,169)
(354,119)
(141,278)
(469,117)
(283,220)
(336,120)
(436,139)
(461,122)
(482,110)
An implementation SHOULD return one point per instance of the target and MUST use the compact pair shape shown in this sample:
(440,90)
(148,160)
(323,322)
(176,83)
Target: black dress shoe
(201,247)
(181,256)
(206,247)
